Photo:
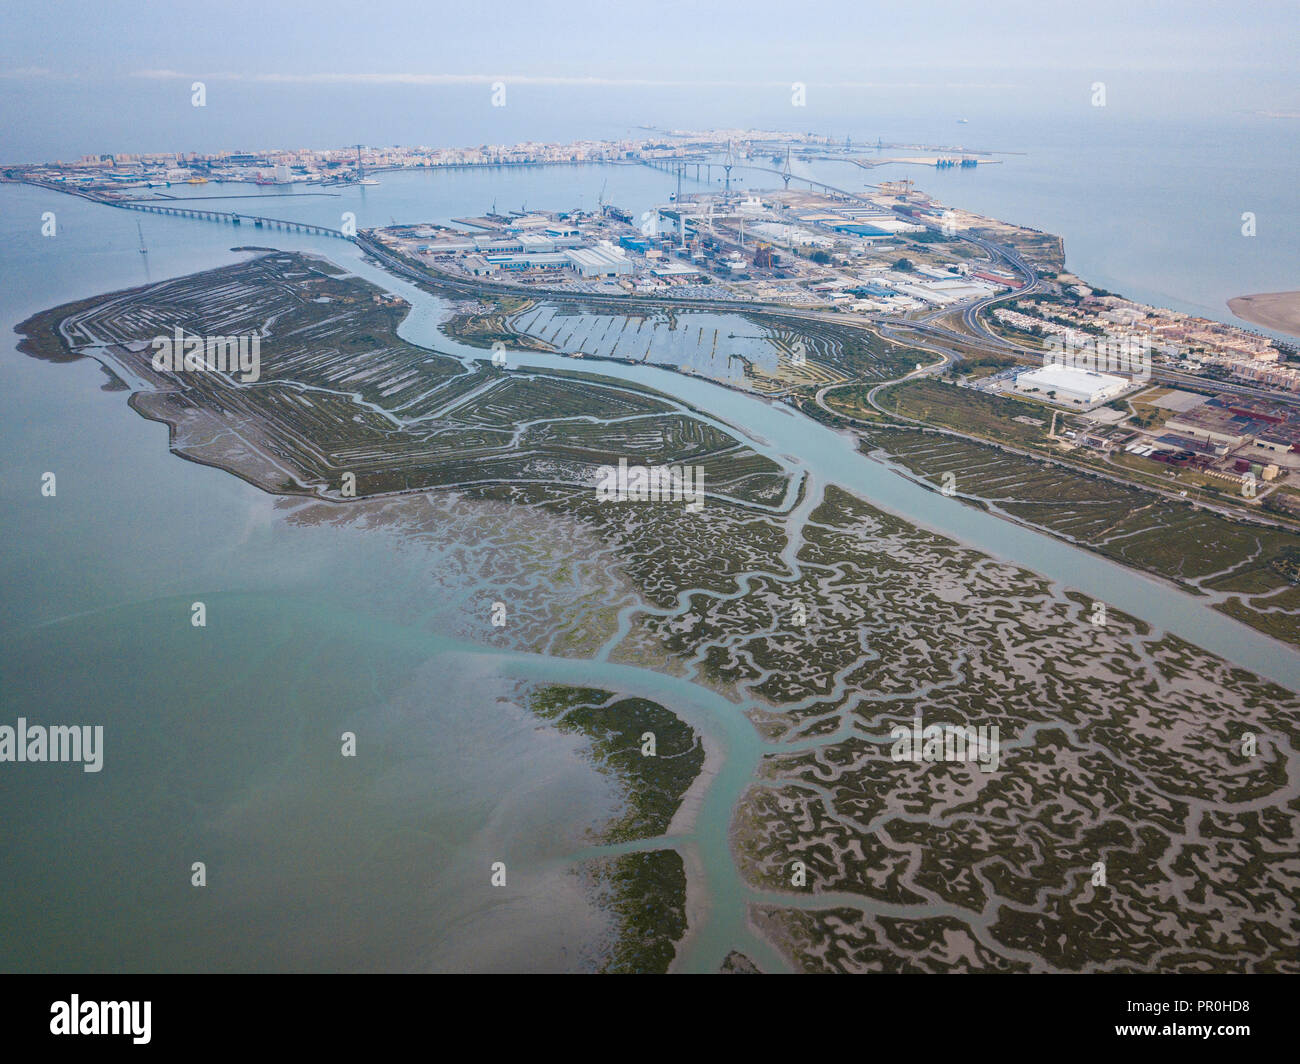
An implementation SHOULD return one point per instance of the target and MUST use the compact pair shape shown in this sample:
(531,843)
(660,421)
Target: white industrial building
(599,261)
(1071,384)
(941,293)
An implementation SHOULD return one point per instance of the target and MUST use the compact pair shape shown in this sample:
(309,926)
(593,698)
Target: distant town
(353,163)
(1155,391)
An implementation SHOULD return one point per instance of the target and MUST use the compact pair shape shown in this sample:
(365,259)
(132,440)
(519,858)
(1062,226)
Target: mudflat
(1270,310)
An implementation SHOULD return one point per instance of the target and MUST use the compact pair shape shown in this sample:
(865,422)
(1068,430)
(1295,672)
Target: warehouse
(1275,443)
(599,261)
(1070,384)
(1214,424)
(547,261)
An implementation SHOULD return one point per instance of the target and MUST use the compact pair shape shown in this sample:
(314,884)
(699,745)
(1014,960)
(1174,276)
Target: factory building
(1213,424)
(1071,384)
(550,260)
(676,270)
(599,261)
(1277,444)
(999,278)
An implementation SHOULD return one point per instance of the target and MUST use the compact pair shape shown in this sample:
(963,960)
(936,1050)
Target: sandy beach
(1270,310)
(683,823)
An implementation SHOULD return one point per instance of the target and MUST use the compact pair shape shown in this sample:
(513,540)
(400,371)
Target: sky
(673,40)
(99,75)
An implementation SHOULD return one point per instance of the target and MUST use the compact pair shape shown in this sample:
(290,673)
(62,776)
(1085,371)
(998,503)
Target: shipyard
(792,248)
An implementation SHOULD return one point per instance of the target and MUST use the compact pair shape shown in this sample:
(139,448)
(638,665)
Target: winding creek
(830,456)
(826,456)
(817,456)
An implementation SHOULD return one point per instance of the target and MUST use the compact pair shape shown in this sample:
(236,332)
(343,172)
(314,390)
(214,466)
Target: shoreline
(697,906)
(698,902)
(1279,311)
(688,808)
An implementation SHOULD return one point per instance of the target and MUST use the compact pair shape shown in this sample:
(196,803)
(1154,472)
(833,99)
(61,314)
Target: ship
(196,180)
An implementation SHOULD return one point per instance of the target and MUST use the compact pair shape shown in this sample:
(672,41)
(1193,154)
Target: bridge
(156,207)
(230,217)
(671,166)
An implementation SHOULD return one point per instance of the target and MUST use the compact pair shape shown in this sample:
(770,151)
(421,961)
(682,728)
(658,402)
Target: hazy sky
(666,41)
(106,72)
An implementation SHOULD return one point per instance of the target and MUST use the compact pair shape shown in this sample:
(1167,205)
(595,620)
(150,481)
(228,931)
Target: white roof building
(1071,384)
(599,261)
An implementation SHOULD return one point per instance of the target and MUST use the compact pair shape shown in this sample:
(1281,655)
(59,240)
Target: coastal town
(350,164)
(1199,407)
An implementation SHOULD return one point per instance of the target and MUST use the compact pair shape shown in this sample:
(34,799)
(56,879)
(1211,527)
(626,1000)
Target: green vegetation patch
(653,785)
(1173,539)
(646,892)
(965,410)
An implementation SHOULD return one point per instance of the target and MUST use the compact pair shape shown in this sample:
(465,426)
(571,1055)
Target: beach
(1270,310)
